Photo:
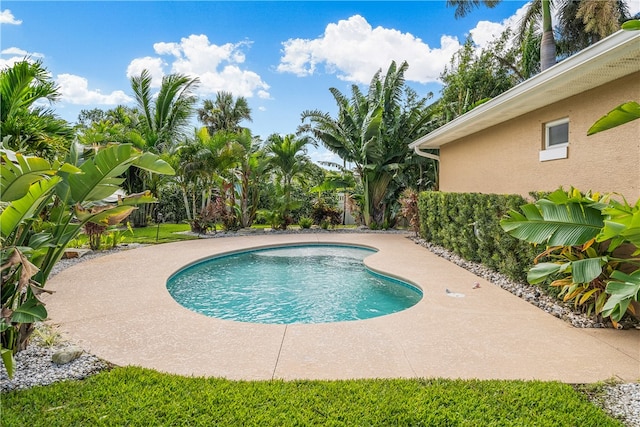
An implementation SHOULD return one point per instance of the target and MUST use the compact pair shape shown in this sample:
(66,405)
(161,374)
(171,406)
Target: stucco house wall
(505,158)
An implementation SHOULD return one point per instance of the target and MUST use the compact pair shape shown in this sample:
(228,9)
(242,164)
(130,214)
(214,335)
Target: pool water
(285,285)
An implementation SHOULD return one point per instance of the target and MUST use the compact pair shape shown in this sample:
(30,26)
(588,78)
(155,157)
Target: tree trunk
(185,199)
(548,43)
(547,51)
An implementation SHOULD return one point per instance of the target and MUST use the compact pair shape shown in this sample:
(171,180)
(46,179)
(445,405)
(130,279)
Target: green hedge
(469,225)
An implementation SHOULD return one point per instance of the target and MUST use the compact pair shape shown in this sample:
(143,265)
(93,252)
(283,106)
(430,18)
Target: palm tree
(464,7)
(288,159)
(224,114)
(163,120)
(249,166)
(582,22)
(161,123)
(24,126)
(372,131)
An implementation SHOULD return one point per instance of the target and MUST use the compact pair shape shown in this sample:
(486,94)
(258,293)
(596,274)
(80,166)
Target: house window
(556,140)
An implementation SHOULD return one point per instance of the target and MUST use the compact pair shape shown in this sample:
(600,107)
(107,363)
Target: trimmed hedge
(469,225)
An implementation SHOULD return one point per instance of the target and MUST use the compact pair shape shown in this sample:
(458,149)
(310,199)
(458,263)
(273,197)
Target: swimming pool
(291,284)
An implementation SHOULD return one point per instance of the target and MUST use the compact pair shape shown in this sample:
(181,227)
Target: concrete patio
(118,308)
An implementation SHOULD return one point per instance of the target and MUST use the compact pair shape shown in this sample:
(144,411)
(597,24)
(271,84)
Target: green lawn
(166,233)
(135,396)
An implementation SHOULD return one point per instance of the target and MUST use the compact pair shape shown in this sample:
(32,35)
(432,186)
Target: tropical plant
(288,160)
(45,206)
(25,126)
(581,23)
(409,209)
(305,222)
(372,131)
(589,241)
(224,114)
(161,123)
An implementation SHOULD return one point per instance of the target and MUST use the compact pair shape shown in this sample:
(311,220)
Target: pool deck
(118,308)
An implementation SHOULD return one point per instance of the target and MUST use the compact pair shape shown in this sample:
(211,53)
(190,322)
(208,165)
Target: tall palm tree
(372,131)
(249,166)
(289,161)
(224,114)
(24,126)
(161,123)
(164,119)
(582,22)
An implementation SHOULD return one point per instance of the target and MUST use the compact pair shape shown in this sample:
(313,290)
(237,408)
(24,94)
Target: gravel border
(35,368)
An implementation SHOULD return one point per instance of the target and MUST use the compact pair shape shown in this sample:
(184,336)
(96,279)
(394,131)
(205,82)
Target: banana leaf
(554,224)
(624,288)
(26,207)
(17,176)
(623,113)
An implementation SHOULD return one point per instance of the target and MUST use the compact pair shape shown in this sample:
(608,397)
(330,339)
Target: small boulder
(66,355)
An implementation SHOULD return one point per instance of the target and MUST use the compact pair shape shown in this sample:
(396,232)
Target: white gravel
(34,366)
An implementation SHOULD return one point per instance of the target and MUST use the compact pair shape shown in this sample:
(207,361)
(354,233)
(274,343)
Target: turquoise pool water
(291,284)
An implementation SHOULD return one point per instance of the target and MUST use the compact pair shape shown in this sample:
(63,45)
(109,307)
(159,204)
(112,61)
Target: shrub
(409,209)
(325,213)
(305,222)
(469,225)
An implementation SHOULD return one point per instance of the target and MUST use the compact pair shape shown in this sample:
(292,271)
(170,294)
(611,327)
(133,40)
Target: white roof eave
(592,67)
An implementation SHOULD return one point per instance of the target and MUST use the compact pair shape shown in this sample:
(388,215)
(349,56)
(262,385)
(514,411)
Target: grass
(166,233)
(135,396)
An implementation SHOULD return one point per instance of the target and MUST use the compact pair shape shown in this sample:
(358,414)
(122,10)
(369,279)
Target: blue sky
(282,56)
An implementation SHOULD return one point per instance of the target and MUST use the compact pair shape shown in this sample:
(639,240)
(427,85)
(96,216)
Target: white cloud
(17,56)
(486,31)
(153,65)
(354,51)
(75,90)
(218,67)
(6,17)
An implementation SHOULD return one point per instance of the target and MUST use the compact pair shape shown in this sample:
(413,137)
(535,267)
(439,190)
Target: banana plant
(584,235)
(44,206)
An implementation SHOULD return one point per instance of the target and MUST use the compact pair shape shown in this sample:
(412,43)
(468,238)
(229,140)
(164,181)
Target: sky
(281,56)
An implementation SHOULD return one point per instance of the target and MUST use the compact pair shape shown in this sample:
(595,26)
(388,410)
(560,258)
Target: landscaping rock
(66,355)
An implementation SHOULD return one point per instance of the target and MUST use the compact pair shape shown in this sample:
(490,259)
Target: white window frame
(555,151)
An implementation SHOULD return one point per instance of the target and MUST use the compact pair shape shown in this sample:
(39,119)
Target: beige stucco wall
(505,158)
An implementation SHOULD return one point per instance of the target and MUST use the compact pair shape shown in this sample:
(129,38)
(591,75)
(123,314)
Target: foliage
(373,131)
(25,125)
(323,213)
(206,220)
(45,206)
(469,225)
(146,397)
(161,121)
(473,77)
(620,115)
(409,209)
(592,242)
(288,159)
(224,114)
(305,222)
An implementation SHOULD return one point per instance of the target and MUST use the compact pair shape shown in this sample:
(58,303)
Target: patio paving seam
(275,367)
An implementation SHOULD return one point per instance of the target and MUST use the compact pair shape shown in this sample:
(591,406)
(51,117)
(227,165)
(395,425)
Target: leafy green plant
(322,212)
(115,235)
(469,225)
(590,243)
(45,206)
(305,222)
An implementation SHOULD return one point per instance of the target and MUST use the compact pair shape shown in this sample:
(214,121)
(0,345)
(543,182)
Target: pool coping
(117,307)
